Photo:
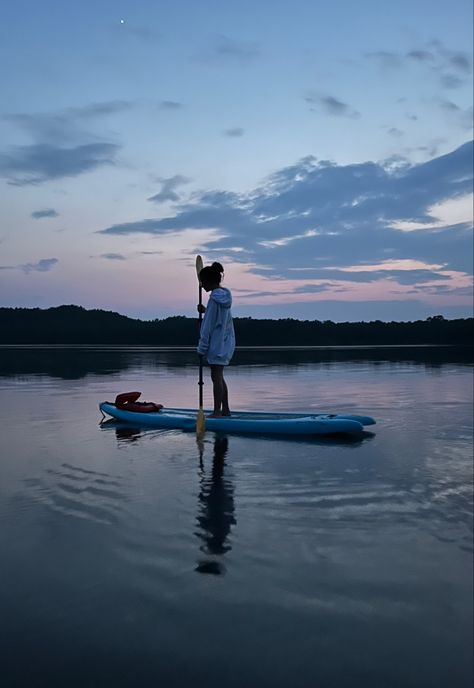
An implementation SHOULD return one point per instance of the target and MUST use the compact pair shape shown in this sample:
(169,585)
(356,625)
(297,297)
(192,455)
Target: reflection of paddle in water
(216,510)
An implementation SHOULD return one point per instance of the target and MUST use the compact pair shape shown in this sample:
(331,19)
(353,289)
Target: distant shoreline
(76,326)
(151,347)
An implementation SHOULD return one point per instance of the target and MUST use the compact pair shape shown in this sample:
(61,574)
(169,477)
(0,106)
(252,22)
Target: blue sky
(322,151)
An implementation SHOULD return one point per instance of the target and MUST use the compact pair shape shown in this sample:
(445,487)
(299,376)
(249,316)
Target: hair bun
(217,266)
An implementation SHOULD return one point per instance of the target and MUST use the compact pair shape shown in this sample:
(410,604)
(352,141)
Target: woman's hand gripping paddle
(200,419)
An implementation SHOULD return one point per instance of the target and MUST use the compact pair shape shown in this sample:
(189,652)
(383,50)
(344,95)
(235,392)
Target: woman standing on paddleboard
(217,338)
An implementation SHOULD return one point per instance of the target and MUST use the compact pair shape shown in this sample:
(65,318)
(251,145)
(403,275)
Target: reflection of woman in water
(216,510)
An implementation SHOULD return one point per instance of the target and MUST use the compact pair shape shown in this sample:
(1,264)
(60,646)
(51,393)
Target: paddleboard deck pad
(244,421)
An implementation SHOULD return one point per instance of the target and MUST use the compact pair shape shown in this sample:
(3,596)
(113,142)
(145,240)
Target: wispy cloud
(48,212)
(331,106)
(314,288)
(168,188)
(420,56)
(457,60)
(67,126)
(110,107)
(395,132)
(231,48)
(112,256)
(224,49)
(171,105)
(234,132)
(450,81)
(385,59)
(431,149)
(449,106)
(451,67)
(63,144)
(463,118)
(143,33)
(407,276)
(36,164)
(43,265)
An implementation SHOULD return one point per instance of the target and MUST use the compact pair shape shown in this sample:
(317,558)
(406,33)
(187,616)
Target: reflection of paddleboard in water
(216,511)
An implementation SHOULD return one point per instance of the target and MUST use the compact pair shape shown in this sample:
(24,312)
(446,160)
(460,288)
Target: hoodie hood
(222,296)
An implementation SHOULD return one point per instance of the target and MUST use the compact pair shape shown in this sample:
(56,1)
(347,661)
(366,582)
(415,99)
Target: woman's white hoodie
(217,337)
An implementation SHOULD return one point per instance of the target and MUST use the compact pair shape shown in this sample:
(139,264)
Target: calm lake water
(138,558)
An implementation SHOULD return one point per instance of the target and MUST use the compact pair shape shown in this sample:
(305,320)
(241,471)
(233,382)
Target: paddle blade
(199,266)
(200,423)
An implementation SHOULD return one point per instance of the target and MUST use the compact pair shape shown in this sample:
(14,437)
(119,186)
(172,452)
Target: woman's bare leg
(219,388)
(225,398)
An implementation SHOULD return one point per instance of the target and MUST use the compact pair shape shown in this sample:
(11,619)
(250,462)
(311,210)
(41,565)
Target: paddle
(200,419)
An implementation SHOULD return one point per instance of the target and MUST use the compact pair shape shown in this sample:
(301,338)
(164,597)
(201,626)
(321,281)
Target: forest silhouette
(77,325)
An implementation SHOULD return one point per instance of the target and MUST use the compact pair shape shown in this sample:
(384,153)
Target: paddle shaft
(200,418)
(200,383)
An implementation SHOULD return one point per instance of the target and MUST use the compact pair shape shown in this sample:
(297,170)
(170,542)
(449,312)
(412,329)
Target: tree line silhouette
(77,325)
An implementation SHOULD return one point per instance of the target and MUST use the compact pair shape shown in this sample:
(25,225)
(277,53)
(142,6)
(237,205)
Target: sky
(321,150)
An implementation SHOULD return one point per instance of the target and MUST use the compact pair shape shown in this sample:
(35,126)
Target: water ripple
(78,493)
